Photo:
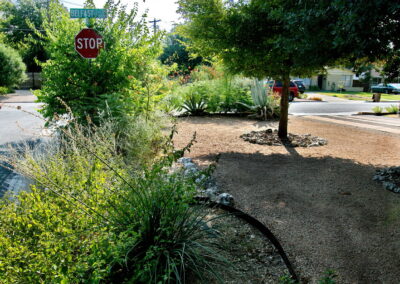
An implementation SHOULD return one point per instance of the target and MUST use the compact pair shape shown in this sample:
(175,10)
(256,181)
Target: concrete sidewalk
(20,96)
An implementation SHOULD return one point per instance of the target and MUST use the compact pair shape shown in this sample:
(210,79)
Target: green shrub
(12,69)
(392,109)
(377,109)
(93,216)
(125,79)
(4,90)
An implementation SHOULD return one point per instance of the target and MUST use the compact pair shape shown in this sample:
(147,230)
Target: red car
(277,87)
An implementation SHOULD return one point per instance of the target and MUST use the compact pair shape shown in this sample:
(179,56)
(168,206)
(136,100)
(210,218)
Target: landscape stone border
(270,137)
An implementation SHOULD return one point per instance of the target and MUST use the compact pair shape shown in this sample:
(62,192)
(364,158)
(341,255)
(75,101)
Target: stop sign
(88,43)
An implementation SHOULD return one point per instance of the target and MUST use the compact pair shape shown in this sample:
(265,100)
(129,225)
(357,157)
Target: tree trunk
(283,122)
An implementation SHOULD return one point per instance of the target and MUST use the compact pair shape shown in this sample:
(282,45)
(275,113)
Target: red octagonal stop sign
(88,43)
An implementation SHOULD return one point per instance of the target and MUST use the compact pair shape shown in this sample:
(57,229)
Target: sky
(164,10)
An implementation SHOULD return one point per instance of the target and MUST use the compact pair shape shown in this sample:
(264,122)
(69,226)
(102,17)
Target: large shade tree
(175,51)
(18,18)
(280,38)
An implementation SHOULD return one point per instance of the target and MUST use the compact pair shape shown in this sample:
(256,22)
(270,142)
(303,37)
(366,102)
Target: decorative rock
(390,178)
(212,192)
(270,137)
(190,171)
(201,179)
(189,165)
(185,160)
(225,199)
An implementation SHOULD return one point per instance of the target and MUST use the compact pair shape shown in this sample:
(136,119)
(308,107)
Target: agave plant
(263,105)
(195,103)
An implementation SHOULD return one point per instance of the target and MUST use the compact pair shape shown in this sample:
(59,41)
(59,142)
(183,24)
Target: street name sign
(76,13)
(88,43)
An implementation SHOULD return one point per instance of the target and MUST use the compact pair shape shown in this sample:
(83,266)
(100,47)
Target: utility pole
(154,22)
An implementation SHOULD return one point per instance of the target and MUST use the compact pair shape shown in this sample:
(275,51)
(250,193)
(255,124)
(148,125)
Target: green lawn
(357,96)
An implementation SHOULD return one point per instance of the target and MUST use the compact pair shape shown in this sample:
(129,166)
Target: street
(18,123)
(334,108)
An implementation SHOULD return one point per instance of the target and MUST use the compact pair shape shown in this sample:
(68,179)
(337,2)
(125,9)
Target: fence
(34,81)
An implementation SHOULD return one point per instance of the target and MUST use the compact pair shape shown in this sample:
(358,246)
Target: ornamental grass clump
(93,215)
(392,109)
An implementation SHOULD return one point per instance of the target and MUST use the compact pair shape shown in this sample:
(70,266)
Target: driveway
(321,202)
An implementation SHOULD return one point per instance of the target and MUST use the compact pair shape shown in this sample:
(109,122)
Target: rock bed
(206,186)
(390,178)
(270,137)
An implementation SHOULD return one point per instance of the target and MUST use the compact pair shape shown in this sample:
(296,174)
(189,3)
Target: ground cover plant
(95,216)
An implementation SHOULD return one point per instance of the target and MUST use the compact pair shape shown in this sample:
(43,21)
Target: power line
(72,3)
(23,30)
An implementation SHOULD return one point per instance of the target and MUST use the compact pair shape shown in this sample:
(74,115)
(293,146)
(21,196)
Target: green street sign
(75,13)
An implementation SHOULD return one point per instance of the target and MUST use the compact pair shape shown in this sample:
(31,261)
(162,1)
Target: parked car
(391,88)
(276,86)
(300,85)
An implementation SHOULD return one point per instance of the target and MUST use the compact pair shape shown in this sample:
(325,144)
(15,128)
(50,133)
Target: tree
(12,69)
(123,80)
(280,38)
(175,51)
(391,69)
(18,19)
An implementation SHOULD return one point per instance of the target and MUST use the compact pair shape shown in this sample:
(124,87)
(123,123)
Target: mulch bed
(270,137)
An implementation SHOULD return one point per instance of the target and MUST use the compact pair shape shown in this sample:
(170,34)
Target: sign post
(88,42)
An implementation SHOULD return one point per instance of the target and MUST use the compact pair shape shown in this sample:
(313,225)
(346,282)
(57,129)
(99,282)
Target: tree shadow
(327,212)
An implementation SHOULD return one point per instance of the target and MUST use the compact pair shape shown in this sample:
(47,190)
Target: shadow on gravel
(9,179)
(327,212)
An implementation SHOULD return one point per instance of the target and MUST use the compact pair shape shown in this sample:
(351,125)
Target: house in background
(341,78)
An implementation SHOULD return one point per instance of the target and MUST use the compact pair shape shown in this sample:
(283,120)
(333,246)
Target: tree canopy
(280,38)
(18,19)
(175,51)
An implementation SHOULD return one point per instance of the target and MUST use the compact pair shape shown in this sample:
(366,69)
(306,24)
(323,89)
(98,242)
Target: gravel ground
(320,202)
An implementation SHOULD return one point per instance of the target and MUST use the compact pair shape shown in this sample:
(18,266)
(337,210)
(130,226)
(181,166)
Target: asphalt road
(334,108)
(16,125)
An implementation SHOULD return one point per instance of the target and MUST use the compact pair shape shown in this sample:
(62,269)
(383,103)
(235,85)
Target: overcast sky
(164,10)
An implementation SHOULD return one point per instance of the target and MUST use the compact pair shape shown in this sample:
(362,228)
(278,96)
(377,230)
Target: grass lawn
(357,96)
